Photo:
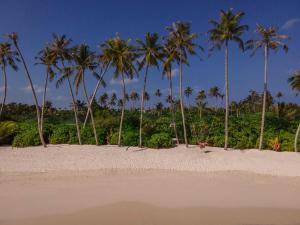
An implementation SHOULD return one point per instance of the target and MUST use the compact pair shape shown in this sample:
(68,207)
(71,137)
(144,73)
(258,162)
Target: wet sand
(147,197)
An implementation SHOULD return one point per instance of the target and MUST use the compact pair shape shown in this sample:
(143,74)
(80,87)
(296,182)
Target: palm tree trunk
(296,138)
(123,109)
(5,90)
(172,107)
(44,101)
(38,114)
(142,105)
(94,93)
(181,103)
(264,99)
(75,111)
(226,97)
(91,111)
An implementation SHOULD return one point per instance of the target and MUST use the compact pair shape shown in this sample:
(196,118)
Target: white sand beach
(111,185)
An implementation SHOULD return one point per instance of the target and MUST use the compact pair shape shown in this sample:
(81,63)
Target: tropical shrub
(8,130)
(160,140)
(63,134)
(24,138)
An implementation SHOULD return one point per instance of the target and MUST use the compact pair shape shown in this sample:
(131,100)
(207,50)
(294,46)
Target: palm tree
(169,56)
(113,100)
(278,96)
(269,39)
(103,100)
(215,93)
(46,58)
(104,62)
(158,93)
(7,58)
(227,29)
(121,55)
(188,92)
(84,60)
(182,39)
(134,96)
(14,38)
(200,99)
(294,82)
(60,49)
(146,97)
(150,51)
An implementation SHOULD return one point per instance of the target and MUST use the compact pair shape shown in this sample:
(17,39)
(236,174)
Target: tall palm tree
(14,38)
(227,29)
(61,50)
(200,99)
(46,58)
(183,40)
(294,82)
(84,61)
(188,92)
(169,56)
(150,51)
(215,93)
(269,39)
(134,96)
(8,57)
(122,56)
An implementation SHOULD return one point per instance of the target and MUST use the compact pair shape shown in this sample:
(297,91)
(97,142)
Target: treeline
(68,65)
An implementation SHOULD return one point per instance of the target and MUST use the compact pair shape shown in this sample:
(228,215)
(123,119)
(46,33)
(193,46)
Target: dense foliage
(244,126)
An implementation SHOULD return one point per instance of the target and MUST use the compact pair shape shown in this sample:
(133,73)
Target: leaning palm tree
(150,51)
(122,56)
(227,29)
(46,58)
(8,57)
(84,61)
(61,51)
(182,39)
(269,39)
(104,63)
(14,38)
(294,82)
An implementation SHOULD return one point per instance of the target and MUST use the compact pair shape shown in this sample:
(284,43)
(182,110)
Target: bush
(29,137)
(130,138)
(63,134)
(160,140)
(8,130)
(87,136)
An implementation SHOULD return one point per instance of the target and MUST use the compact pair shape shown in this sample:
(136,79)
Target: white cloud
(61,98)
(290,23)
(38,89)
(127,81)
(174,72)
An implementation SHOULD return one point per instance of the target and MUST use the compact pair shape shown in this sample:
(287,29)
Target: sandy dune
(108,185)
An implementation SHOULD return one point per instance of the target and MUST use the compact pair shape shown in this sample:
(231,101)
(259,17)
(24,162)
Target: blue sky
(93,21)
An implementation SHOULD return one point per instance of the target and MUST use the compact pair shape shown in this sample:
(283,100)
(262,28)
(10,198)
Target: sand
(83,158)
(109,185)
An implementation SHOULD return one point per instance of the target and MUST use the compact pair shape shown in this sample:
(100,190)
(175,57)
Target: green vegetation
(258,121)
